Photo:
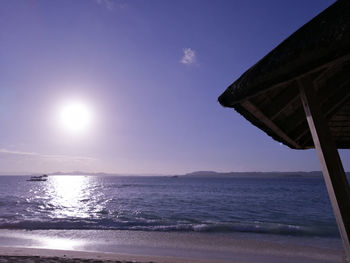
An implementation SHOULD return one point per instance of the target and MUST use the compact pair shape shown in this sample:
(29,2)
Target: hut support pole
(332,168)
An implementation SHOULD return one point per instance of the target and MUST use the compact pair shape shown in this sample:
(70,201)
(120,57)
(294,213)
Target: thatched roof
(267,94)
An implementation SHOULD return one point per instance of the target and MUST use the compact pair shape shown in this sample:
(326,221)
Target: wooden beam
(340,101)
(332,168)
(337,103)
(289,95)
(278,101)
(293,121)
(325,74)
(297,127)
(285,106)
(261,116)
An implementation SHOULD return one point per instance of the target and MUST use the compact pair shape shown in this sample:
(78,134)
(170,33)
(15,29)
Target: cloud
(189,56)
(111,4)
(57,157)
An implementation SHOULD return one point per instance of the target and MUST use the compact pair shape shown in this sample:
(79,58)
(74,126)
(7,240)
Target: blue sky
(150,72)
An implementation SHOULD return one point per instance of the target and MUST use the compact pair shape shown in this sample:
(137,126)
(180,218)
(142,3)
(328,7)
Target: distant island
(256,174)
(196,174)
(253,174)
(207,174)
(204,174)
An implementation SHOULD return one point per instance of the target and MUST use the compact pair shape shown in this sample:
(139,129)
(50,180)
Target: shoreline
(56,255)
(167,247)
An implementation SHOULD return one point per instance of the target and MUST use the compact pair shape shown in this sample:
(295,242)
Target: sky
(148,74)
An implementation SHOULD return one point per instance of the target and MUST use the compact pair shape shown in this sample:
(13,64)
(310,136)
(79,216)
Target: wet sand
(168,247)
(34,255)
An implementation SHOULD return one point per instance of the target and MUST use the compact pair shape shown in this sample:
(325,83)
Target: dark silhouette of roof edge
(323,39)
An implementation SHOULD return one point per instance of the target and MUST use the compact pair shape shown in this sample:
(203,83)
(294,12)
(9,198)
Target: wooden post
(332,168)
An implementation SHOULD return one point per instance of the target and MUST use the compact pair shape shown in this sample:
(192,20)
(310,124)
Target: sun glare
(75,117)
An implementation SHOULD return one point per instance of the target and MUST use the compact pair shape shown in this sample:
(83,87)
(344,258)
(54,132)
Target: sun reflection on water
(70,196)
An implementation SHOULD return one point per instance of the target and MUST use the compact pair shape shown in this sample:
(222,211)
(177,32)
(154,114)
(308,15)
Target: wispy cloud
(17,152)
(111,4)
(48,156)
(189,56)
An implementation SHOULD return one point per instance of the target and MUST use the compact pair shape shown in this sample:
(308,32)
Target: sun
(75,117)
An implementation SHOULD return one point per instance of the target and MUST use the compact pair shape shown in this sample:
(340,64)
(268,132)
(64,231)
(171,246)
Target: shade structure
(268,96)
(299,94)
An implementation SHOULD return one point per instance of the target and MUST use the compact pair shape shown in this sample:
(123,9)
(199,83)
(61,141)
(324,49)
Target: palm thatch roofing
(268,96)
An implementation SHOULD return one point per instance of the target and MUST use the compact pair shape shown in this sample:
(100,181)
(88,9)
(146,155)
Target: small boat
(39,178)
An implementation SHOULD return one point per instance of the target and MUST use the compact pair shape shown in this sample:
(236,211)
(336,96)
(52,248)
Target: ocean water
(286,206)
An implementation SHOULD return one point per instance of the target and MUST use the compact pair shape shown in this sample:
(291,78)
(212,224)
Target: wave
(158,225)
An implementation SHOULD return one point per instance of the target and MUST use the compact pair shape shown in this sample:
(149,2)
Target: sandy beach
(35,255)
(29,255)
(159,247)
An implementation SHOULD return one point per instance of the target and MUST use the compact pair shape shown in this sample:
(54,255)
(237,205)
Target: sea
(249,219)
(283,206)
